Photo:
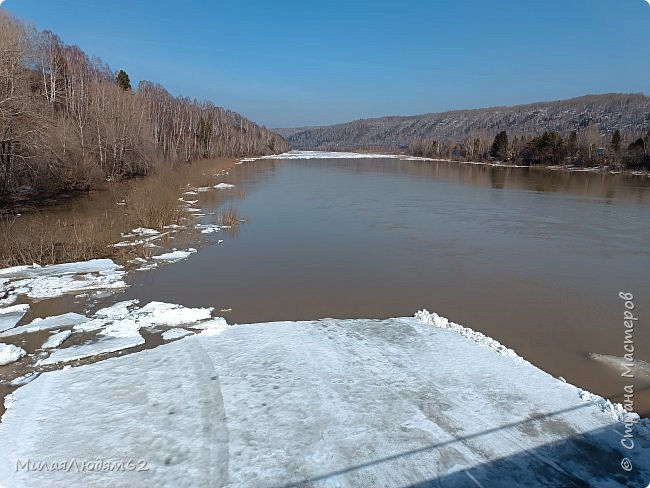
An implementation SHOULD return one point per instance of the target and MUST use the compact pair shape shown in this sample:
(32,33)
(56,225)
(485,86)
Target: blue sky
(294,63)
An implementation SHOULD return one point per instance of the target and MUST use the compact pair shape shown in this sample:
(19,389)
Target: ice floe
(10,353)
(223,186)
(10,316)
(55,340)
(175,255)
(40,282)
(118,327)
(208,228)
(48,323)
(391,403)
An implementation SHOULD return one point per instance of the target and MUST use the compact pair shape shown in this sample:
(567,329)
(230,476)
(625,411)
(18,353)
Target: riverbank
(91,225)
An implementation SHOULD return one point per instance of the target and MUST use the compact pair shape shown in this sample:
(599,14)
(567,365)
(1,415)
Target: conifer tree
(499,148)
(123,80)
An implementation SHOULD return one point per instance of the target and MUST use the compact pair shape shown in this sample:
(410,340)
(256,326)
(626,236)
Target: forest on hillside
(590,130)
(68,122)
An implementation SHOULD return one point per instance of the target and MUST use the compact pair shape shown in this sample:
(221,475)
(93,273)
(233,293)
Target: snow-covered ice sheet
(39,282)
(170,334)
(48,323)
(55,340)
(10,353)
(324,155)
(10,316)
(390,403)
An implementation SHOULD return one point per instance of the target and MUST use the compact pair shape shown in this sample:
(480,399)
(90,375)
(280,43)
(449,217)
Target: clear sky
(307,62)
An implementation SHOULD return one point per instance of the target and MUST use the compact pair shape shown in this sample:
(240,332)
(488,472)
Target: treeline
(587,148)
(592,116)
(68,122)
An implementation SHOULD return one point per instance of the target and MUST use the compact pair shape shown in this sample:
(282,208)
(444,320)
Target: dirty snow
(391,403)
(10,316)
(10,353)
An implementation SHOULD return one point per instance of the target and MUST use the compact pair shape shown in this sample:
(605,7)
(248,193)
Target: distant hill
(630,113)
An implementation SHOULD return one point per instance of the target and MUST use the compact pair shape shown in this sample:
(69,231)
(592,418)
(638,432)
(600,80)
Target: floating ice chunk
(48,323)
(170,334)
(637,368)
(208,228)
(143,231)
(103,346)
(204,189)
(174,226)
(118,310)
(160,313)
(224,186)
(10,353)
(56,340)
(10,316)
(191,192)
(34,271)
(40,282)
(189,202)
(175,255)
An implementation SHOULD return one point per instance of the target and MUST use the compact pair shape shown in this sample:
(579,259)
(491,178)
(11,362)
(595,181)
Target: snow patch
(10,316)
(170,334)
(223,186)
(10,353)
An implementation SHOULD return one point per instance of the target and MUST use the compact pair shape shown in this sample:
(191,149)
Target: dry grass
(44,240)
(154,203)
(229,217)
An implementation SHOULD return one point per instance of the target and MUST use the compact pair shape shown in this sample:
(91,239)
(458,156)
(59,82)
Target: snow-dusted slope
(344,403)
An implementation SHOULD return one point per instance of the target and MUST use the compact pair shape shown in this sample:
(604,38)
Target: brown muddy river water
(535,259)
